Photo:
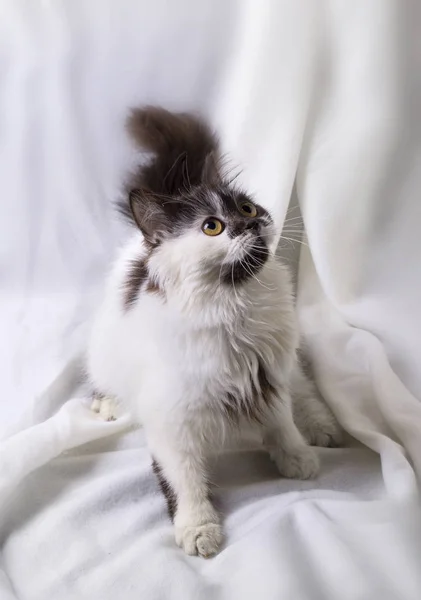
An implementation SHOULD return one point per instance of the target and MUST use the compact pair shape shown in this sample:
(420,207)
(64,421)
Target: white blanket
(326,93)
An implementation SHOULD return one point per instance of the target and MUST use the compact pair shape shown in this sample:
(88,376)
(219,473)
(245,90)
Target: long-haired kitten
(197,330)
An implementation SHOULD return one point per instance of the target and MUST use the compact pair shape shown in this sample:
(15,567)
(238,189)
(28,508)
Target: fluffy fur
(198,333)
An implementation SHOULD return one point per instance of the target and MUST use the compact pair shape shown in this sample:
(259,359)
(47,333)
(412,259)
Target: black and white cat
(197,330)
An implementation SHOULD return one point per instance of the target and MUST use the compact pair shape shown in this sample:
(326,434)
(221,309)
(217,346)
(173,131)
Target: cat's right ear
(149,215)
(211,173)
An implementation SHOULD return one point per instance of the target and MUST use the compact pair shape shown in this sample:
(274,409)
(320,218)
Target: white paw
(106,407)
(96,403)
(204,540)
(302,464)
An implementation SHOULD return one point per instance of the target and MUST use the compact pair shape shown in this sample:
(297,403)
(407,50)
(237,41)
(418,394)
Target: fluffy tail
(185,150)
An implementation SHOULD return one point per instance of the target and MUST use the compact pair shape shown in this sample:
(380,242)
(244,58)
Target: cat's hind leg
(312,416)
(286,446)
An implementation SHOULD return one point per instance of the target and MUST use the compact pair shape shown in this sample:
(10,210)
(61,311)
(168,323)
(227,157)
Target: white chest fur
(169,357)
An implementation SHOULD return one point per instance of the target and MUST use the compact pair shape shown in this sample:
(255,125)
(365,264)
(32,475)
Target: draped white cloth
(324,93)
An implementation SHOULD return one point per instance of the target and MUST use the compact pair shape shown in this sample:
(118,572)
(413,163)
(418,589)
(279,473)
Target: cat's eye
(213,226)
(247,209)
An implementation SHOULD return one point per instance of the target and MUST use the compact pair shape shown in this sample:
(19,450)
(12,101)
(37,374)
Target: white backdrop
(327,93)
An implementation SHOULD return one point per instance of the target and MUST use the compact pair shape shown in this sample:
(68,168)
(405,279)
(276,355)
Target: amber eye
(248,209)
(213,226)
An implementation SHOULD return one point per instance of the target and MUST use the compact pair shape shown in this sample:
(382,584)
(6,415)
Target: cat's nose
(253,224)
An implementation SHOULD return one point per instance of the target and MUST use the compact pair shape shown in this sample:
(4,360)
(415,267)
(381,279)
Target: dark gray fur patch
(137,277)
(138,274)
(166,489)
(304,361)
(254,409)
(232,198)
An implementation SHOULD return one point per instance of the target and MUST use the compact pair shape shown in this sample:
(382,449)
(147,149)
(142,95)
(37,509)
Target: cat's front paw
(105,406)
(203,540)
(302,464)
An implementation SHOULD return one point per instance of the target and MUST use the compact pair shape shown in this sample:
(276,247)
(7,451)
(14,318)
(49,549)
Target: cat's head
(198,227)
(209,233)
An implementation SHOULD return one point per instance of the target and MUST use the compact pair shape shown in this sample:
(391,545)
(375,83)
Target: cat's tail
(185,150)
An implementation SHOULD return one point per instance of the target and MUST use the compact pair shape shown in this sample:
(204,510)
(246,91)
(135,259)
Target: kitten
(197,330)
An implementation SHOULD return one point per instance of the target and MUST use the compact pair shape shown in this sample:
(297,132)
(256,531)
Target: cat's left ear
(211,172)
(149,215)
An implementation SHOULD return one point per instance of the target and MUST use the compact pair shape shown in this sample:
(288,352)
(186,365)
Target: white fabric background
(325,92)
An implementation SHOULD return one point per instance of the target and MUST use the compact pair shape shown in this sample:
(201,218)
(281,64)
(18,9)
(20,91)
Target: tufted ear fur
(211,174)
(149,214)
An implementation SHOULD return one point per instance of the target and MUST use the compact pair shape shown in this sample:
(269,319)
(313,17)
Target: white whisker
(294,240)
(254,276)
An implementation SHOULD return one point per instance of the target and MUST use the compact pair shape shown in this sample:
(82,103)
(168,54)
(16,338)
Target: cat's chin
(243,269)
(238,273)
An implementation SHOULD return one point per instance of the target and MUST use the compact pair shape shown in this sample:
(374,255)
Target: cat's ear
(149,215)
(211,169)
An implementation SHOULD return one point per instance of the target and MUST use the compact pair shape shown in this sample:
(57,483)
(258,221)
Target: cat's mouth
(250,255)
